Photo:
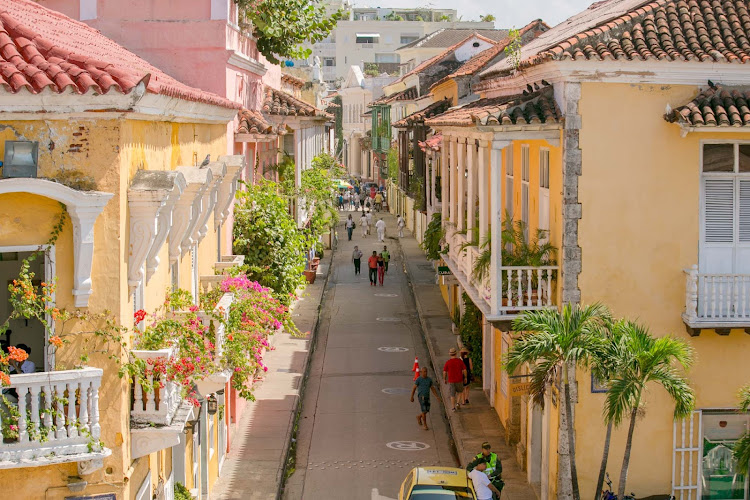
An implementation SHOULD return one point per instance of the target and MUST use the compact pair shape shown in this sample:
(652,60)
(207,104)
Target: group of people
(365,223)
(485,469)
(377,264)
(353,199)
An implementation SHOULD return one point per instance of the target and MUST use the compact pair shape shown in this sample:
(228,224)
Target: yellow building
(635,161)
(121,145)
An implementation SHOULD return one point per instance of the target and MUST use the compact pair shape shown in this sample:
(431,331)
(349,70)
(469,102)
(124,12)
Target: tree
(553,343)
(742,446)
(282,26)
(644,359)
(487,18)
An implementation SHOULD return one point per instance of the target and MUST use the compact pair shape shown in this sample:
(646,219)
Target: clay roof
(665,30)
(42,49)
(252,122)
(292,80)
(277,102)
(433,143)
(446,37)
(404,95)
(715,106)
(433,109)
(525,109)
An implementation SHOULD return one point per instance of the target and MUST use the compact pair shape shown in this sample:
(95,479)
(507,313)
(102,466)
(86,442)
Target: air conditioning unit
(21,159)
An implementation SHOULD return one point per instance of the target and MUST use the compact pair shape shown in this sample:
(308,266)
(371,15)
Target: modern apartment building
(371,36)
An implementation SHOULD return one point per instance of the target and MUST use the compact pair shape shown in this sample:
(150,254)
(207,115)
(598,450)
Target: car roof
(448,476)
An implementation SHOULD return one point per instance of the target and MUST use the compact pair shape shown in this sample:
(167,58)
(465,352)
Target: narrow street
(358,435)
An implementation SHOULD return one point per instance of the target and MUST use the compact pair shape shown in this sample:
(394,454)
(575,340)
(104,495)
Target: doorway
(29,332)
(720,480)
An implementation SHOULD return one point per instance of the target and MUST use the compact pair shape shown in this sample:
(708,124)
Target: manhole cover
(407,445)
(388,319)
(393,349)
(396,390)
(386,295)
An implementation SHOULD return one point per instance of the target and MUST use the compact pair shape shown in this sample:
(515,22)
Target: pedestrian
(341,201)
(372,268)
(369,220)
(381,269)
(352,200)
(386,257)
(469,377)
(423,385)
(454,374)
(349,225)
(362,197)
(494,467)
(482,485)
(347,196)
(363,223)
(368,204)
(401,223)
(357,259)
(378,201)
(380,226)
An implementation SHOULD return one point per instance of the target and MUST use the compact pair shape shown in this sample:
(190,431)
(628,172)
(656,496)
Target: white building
(357,91)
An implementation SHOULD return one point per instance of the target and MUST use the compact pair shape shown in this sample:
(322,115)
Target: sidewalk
(259,447)
(478,422)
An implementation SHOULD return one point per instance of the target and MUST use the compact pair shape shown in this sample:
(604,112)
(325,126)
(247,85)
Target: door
(719,478)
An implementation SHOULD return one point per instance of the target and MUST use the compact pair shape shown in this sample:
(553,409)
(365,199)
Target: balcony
(718,302)
(229,261)
(54,430)
(216,381)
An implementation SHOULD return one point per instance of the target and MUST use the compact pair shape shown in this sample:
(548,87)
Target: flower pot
(316,261)
(309,275)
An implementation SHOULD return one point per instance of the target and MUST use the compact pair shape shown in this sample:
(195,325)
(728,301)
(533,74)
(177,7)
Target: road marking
(387,318)
(396,390)
(386,295)
(407,445)
(393,349)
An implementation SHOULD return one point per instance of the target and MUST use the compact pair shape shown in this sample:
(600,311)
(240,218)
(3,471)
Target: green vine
(470,329)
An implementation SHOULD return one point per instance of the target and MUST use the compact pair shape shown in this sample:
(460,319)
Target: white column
(483,191)
(453,193)
(472,187)
(461,198)
(496,211)
(444,180)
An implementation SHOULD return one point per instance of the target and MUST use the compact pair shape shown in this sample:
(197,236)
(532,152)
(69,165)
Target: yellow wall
(446,90)
(110,151)
(640,228)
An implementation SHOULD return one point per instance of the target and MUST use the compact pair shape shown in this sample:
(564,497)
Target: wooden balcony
(58,420)
(718,302)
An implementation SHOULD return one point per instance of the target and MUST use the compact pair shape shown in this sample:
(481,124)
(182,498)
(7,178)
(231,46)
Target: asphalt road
(358,435)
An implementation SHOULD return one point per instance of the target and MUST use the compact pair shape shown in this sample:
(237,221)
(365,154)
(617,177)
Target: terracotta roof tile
(447,37)
(434,143)
(716,106)
(277,102)
(433,109)
(525,109)
(252,122)
(43,49)
(631,30)
(292,80)
(405,95)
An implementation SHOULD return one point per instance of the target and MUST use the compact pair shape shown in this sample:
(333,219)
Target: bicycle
(609,495)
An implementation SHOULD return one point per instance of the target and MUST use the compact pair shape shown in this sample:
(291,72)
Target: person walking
(362,197)
(386,257)
(352,200)
(350,225)
(454,374)
(341,201)
(401,224)
(381,269)
(380,226)
(347,197)
(363,224)
(357,259)
(482,485)
(422,386)
(372,268)
(378,201)
(469,377)
(369,219)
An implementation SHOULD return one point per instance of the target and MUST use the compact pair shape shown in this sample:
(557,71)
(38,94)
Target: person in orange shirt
(372,264)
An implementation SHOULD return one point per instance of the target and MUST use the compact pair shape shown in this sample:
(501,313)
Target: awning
(368,35)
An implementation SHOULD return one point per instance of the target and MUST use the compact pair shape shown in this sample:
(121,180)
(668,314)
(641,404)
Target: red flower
(56,341)
(139,315)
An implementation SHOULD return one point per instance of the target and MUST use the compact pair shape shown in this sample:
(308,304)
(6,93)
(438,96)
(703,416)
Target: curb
(281,475)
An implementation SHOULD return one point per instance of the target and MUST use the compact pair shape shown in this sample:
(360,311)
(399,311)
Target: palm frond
(744,396)
(741,453)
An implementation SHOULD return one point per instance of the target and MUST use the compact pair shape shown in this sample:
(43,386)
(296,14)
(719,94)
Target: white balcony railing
(216,381)
(58,417)
(228,261)
(716,300)
(158,402)
(211,281)
(526,288)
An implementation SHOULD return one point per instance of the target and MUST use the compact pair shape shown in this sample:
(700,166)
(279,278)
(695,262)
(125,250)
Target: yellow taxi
(437,483)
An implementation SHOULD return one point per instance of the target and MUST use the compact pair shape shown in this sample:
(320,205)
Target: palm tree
(742,446)
(553,342)
(645,359)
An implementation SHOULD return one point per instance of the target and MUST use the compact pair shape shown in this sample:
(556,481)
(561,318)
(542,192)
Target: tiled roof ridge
(252,122)
(35,57)
(436,58)
(432,109)
(293,80)
(402,95)
(278,102)
(716,106)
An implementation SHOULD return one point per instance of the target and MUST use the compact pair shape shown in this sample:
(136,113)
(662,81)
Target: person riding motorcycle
(494,466)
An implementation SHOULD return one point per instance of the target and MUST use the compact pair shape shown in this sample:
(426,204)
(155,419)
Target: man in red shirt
(372,264)
(454,374)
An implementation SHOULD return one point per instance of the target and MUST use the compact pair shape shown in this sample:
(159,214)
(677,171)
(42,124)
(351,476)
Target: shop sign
(520,388)
(444,271)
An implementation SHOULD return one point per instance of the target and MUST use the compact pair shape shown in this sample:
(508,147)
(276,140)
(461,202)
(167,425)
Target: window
(544,191)
(329,61)
(509,182)
(409,38)
(725,209)
(721,431)
(368,38)
(525,189)
(386,58)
